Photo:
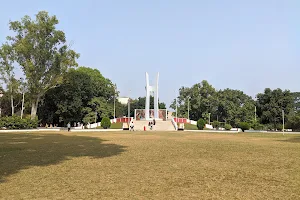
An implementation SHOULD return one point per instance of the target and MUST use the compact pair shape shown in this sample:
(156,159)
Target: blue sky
(247,45)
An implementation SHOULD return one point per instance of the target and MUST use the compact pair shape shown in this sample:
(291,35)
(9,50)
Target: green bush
(201,124)
(279,127)
(216,124)
(257,126)
(15,122)
(105,122)
(228,127)
(269,127)
(244,126)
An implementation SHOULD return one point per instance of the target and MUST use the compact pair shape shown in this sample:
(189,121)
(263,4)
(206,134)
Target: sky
(247,45)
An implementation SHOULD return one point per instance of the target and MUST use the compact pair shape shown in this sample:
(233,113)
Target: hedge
(15,122)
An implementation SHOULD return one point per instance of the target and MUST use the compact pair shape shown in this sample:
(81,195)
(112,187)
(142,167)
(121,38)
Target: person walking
(69,126)
(131,126)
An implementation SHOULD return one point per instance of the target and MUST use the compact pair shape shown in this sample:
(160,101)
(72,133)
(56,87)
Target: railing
(93,125)
(180,120)
(174,124)
(124,119)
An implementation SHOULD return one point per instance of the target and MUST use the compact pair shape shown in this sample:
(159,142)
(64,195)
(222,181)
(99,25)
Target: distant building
(123,100)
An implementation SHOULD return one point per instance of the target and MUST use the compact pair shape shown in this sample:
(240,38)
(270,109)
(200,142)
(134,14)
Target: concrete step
(159,126)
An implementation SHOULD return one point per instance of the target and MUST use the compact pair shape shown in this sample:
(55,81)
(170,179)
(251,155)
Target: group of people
(151,124)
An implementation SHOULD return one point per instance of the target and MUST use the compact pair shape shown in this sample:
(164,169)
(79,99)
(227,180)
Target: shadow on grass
(292,140)
(21,151)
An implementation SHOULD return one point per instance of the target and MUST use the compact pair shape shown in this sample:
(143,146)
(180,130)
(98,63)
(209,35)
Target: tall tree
(202,97)
(231,106)
(82,93)
(42,52)
(234,107)
(296,96)
(271,103)
(7,72)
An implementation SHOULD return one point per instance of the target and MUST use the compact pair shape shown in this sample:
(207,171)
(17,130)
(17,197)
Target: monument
(151,89)
(147,113)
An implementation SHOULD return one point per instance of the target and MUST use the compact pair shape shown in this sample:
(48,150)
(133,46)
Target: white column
(156,108)
(147,104)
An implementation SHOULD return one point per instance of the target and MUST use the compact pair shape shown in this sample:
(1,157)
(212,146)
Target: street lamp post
(129,106)
(255,110)
(1,95)
(188,107)
(115,101)
(255,114)
(176,109)
(283,122)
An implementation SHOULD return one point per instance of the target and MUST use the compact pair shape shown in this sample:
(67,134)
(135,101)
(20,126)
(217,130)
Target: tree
(244,126)
(7,72)
(202,100)
(83,95)
(42,53)
(231,106)
(293,121)
(271,103)
(234,106)
(296,96)
(99,107)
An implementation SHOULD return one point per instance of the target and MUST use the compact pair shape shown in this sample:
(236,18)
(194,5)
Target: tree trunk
(12,105)
(34,106)
(12,100)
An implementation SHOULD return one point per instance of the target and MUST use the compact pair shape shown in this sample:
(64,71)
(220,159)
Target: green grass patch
(190,127)
(118,125)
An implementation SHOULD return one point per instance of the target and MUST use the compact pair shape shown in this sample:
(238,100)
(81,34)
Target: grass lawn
(149,165)
(117,125)
(190,127)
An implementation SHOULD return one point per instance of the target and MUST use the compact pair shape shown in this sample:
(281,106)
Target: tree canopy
(233,106)
(83,95)
(42,52)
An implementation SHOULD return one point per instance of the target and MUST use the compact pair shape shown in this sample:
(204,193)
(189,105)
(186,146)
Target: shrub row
(15,122)
(242,125)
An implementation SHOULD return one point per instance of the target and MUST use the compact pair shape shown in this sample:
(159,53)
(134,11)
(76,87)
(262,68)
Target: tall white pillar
(147,104)
(150,89)
(156,116)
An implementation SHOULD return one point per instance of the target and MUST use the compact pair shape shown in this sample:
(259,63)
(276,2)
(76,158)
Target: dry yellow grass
(149,165)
